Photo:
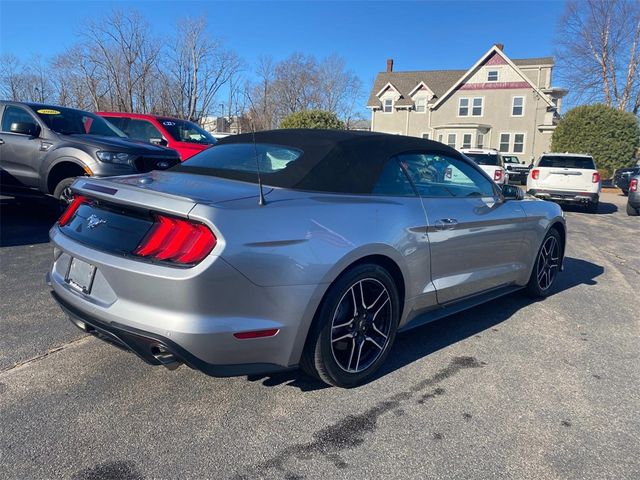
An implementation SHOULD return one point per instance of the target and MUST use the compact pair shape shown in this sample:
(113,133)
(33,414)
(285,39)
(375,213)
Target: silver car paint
(273,264)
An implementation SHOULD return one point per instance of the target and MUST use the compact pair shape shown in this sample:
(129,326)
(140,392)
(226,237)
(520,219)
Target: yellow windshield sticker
(48,111)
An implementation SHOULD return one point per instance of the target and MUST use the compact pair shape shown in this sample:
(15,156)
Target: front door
(475,237)
(19,153)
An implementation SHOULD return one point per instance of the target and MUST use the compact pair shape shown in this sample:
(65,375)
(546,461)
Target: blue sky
(417,35)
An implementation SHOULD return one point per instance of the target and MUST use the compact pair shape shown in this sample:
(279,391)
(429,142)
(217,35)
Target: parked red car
(182,135)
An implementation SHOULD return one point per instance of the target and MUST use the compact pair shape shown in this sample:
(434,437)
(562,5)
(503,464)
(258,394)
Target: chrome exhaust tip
(165,357)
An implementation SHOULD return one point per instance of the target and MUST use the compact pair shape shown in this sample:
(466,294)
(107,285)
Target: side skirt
(459,306)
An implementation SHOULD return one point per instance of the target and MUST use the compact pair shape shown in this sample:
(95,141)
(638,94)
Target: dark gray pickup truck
(43,148)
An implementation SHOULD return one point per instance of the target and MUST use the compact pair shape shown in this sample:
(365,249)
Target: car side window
(14,114)
(393,181)
(142,130)
(438,175)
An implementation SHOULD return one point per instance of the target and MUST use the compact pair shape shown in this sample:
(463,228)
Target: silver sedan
(295,248)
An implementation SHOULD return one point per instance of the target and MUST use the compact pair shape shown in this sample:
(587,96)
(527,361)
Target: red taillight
(177,240)
(497,175)
(633,185)
(71,210)
(595,178)
(535,174)
(256,334)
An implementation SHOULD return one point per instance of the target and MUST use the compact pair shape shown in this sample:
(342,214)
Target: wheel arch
(380,259)
(560,227)
(63,168)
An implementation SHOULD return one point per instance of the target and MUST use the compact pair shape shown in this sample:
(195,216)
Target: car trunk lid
(569,179)
(117,213)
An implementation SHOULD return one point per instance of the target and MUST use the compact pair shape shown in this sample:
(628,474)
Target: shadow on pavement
(604,208)
(26,221)
(422,341)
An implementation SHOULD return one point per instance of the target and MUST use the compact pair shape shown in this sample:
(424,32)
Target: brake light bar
(633,185)
(535,174)
(595,178)
(71,210)
(177,240)
(497,175)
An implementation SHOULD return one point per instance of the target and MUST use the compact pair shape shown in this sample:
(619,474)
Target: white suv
(566,178)
(489,160)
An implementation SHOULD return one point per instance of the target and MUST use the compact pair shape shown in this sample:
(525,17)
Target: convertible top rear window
(566,161)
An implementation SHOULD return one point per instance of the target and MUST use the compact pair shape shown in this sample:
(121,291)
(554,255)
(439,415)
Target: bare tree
(119,56)
(199,66)
(29,81)
(599,51)
(301,82)
(11,77)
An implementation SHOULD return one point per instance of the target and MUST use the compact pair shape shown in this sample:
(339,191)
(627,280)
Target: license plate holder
(80,275)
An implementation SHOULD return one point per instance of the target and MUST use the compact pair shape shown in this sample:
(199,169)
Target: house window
(517,109)
(425,136)
(466,140)
(505,140)
(476,111)
(440,138)
(421,105)
(388,105)
(451,140)
(492,76)
(518,143)
(480,141)
(463,107)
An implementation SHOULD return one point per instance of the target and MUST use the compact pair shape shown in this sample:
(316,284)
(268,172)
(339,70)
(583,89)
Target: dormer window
(421,105)
(492,76)
(388,105)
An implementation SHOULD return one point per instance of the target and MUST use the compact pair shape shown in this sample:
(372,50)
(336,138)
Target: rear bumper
(565,196)
(191,313)
(155,349)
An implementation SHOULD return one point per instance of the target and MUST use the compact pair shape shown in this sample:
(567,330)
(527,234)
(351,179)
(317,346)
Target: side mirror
(25,128)
(511,192)
(159,141)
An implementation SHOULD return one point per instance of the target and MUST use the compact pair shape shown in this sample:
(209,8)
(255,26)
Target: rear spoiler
(131,195)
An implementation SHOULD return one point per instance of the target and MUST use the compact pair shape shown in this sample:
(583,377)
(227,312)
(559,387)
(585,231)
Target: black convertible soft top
(332,160)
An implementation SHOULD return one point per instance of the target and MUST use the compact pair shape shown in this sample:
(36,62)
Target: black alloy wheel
(354,327)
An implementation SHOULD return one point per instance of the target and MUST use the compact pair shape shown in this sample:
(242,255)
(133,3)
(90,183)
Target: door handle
(446,224)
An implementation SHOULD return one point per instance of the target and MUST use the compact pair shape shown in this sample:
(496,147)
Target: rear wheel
(547,266)
(631,211)
(355,327)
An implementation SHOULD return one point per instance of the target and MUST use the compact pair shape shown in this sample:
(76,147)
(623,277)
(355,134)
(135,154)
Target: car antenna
(261,201)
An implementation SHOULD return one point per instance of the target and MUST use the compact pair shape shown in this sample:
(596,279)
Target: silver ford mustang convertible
(295,248)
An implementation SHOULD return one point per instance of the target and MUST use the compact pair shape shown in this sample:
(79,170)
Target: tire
(342,329)
(592,207)
(631,211)
(535,287)
(62,192)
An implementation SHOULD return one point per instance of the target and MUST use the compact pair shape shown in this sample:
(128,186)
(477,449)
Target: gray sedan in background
(291,248)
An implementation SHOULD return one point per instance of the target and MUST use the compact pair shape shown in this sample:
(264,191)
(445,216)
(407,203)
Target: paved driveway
(512,389)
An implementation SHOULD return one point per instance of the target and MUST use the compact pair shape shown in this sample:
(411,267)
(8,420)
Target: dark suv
(623,176)
(44,148)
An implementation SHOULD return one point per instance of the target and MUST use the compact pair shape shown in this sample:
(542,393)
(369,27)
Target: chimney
(389,65)
(499,46)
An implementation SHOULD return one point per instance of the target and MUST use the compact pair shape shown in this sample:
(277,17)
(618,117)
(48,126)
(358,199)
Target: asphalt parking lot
(511,389)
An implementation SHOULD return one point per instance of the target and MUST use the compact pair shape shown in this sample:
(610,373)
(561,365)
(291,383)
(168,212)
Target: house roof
(439,81)
(525,62)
